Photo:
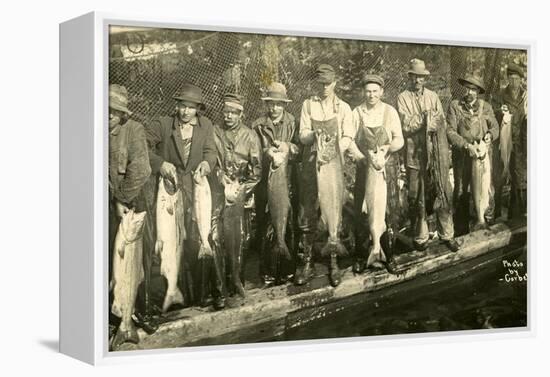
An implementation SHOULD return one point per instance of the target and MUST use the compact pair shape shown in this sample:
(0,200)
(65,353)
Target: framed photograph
(230,186)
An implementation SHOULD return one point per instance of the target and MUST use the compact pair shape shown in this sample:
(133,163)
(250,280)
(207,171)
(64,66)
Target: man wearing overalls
(182,145)
(276,127)
(322,111)
(377,124)
(469,119)
(427,159)
(239,153)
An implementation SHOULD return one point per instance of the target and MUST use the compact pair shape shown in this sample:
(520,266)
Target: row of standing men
(187,145)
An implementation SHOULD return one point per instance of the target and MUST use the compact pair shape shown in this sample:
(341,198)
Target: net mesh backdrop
(154,63)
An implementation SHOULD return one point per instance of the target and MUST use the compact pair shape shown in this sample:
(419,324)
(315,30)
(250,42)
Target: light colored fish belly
(481,187)
(279,206)
(202,214)
(374,205)
(169,245)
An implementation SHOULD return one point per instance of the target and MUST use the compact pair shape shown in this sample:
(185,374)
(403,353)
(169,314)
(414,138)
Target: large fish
(127,274)
(202,213)
(330,182)
(374,203)
(481,183)
(170,236)
(233,231)
(278,198)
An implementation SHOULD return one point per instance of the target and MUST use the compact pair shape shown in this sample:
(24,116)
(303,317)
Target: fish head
(377,158)
(132,223)
(169,185)
(231,190)
(481,149)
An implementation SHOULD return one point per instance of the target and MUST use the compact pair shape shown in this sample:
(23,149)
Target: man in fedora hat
(427,158)
(239,153)
(182,145)
(275,128)
(129,171)
(376,125)
(470,119)
(323,109)
(510,153)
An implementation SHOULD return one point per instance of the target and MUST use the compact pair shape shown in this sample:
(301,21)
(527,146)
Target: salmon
(374,203)
(505,144)
(127,275)
(481,183)
(170,236)
(278,198)
(202,214)
(233,231)
(330,182)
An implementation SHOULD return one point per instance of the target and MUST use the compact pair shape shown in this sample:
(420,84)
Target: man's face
(275,109)
(186,111)
(514,81)
(324,90)
(115,117)
(231,116)
(417,81)
(472,92)
(373,93)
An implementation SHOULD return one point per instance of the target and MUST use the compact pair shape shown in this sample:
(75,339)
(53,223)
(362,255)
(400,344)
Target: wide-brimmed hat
(514,68)
(373,78)
(118,98)
(474,80)
(233,100)
(191,93)
(418,67)
(276,92)
(325,74)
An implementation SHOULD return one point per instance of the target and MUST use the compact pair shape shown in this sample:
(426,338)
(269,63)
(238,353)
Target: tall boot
(388,245)
(218,279)
(335,276)
(306,269)
(361,245)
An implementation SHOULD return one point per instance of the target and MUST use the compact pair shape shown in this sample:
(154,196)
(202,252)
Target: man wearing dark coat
(182,145)
(510,153)
(427,158)
(276,127)
(470,119)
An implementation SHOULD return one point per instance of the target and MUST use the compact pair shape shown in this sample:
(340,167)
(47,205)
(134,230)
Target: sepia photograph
(267,188)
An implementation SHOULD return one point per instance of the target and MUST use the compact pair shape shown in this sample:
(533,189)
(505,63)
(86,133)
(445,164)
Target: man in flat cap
(323,110)
(279,138)
(470,119)
(427,158)
(239,153)
(182,145)
(129,171)
(510,153)
(377,128)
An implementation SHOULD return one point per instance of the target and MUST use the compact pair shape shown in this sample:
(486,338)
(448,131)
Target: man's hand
(471,150)
(121,209)
(203,169)
(168,170)
(430,124)
(271,152)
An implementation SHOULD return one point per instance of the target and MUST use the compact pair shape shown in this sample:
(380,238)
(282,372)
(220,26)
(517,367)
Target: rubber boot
(335,276)
(388,245)
(306,269)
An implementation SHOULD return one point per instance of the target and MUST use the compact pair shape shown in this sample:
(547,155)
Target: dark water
(480,299)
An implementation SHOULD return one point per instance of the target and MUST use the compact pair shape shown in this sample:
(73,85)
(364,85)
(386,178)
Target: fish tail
(282,250)
(376,255)
(334,247)
(158,247)
(171,298)
(125,334)
(205,250)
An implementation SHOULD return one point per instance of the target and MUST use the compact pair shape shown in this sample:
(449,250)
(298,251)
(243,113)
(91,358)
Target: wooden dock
(267,314)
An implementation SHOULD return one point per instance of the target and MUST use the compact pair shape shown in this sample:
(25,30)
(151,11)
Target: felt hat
(473,80)
(191,93)
(514,68)
(118,98)
(418,67)
(276,92)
